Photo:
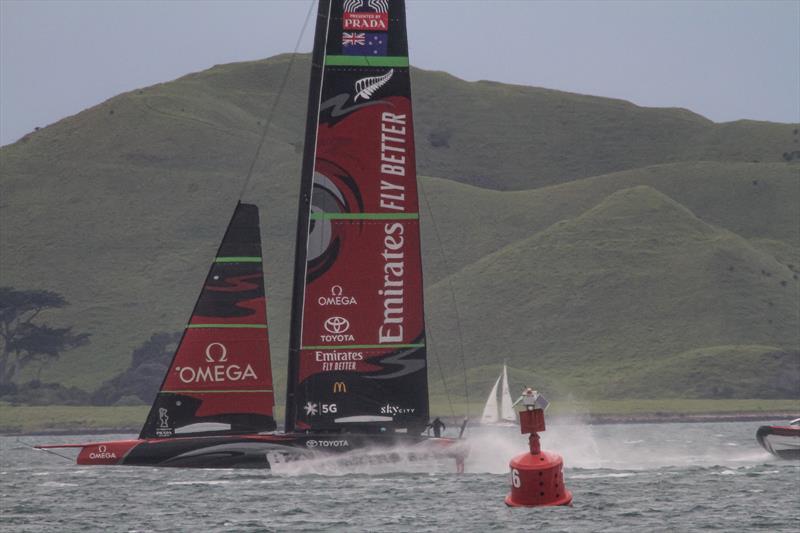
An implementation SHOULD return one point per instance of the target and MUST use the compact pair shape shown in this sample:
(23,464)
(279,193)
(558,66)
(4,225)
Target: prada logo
(339,386)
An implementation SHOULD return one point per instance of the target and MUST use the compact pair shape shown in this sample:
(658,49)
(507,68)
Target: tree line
(26,341)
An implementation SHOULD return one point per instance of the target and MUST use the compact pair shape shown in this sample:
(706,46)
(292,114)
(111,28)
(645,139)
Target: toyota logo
(336,324)
(311,443)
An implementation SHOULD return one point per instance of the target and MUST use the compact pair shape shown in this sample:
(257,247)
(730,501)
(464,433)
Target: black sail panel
(357,347)
(220,379)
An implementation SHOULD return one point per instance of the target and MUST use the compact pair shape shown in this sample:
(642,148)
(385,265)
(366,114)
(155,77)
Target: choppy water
(650,477)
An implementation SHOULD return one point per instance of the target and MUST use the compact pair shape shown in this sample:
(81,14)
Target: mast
(304,202)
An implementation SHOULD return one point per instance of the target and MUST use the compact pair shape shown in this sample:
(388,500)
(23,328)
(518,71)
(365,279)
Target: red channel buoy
(537,477)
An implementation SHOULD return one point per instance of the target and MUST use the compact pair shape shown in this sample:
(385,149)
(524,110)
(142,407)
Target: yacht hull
(780,441)
(255,450)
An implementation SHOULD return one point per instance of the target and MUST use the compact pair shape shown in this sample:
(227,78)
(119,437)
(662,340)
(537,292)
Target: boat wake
(616,447)
(367,461)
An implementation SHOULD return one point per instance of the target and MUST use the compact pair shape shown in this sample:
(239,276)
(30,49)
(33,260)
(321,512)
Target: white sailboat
(501,414)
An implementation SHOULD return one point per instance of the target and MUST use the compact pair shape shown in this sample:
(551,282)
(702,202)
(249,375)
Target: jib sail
(357,346)
(220,380)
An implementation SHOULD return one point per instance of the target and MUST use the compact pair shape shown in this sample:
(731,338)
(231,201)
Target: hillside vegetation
(602,249)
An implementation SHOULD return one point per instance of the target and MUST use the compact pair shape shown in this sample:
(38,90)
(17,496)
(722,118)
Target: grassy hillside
(585,239)
(608,301)
(756,201)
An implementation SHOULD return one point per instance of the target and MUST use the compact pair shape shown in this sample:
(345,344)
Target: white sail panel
(490,409)
(506,409)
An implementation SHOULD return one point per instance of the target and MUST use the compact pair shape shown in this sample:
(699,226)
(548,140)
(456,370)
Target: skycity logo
(390,409)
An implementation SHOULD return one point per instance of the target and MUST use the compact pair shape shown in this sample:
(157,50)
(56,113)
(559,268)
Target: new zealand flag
(364,44)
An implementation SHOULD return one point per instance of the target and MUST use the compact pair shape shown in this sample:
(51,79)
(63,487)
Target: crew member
(437,426)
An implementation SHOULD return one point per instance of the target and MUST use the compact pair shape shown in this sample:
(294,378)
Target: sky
(727,60)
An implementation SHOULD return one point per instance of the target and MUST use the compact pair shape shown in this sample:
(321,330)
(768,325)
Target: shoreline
(587,419)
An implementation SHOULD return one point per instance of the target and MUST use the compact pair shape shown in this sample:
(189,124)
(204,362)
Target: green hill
(587,240)
(599,301)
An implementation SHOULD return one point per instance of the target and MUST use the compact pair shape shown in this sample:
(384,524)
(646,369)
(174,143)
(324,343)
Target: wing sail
(220,380)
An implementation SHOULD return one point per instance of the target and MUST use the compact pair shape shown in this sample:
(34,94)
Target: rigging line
(452,296)
(275,102)
(429,342)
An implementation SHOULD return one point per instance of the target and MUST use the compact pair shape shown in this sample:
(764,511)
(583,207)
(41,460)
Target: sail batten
(357,348)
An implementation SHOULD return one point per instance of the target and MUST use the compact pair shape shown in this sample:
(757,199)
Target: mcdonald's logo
(339,386)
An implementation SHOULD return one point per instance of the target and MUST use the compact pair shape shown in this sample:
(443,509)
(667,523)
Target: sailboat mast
(304,203)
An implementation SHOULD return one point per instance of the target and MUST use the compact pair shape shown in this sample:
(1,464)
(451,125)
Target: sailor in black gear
(437,426)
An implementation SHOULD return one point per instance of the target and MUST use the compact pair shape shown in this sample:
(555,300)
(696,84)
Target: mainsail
(220,380)
(357,346)
(489,415)
(506,409)
(506,405)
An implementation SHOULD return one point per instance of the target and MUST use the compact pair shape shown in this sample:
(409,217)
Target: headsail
(357,346)
(220,380)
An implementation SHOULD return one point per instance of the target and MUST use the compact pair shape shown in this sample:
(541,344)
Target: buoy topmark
(537,477)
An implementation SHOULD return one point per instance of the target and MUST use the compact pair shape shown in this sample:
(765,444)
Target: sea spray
(615,447)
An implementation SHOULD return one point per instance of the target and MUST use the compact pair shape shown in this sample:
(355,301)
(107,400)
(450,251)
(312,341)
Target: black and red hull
(256,450)
(780,441)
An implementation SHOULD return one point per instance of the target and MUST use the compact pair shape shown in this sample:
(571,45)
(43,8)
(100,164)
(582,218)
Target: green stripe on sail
(362,346)
(364,216)
(252,326)
(366,61)
(237,259)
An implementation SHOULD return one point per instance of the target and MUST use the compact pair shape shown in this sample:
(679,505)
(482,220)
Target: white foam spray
(619,446)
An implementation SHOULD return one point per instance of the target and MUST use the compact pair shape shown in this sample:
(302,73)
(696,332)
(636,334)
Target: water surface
(648,477)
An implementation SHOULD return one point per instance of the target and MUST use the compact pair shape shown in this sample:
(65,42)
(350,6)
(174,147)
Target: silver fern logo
(366,87)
